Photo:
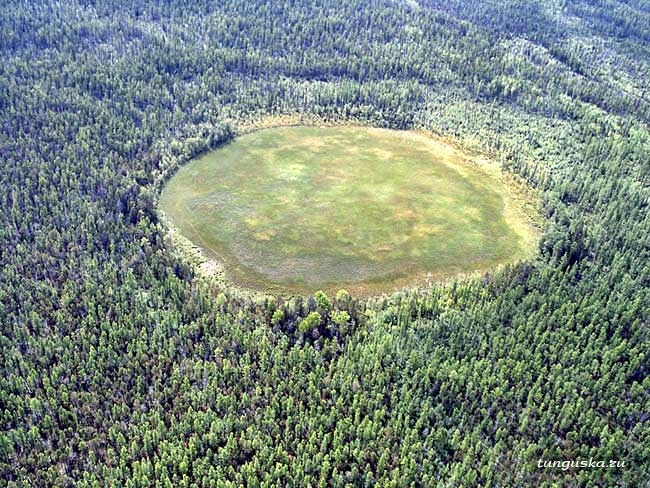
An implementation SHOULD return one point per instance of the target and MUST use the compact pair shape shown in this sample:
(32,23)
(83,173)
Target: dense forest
(121,367)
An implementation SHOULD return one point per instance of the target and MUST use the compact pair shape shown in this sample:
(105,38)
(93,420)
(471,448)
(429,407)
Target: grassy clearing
(295,209)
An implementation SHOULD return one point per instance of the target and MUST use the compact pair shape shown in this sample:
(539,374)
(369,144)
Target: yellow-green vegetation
(296,209)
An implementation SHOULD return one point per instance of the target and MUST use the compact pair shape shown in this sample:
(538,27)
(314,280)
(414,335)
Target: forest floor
(294,209)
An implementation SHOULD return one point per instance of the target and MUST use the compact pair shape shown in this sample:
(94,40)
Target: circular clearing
(297,209)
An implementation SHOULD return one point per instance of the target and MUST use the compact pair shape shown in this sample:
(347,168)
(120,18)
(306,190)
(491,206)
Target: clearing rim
(301,208)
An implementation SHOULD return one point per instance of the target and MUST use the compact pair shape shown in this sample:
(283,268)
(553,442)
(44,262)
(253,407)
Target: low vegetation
(297,209)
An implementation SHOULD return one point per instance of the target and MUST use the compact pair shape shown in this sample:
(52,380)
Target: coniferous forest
(122,367)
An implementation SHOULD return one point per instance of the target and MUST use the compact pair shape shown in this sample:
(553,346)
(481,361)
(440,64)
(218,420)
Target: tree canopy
(120,366)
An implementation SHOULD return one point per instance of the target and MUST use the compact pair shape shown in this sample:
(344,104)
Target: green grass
(296,209)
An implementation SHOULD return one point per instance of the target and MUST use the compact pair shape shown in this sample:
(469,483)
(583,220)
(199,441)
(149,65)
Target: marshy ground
(296,209)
